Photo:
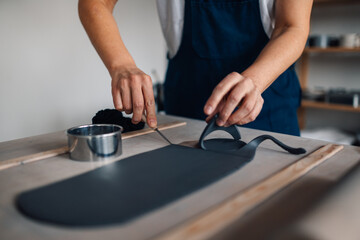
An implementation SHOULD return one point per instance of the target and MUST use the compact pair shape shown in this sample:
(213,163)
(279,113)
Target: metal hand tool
(143,118)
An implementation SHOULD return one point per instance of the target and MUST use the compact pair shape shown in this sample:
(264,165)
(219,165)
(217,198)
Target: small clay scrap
(113,116)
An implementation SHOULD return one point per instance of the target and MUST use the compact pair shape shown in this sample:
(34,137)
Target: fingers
(125,95)
(132,92)
(147,91)
(220,91)
(235,91)
(116,98)
(233,100)
(244,96)
(218,109)
(246,114)
(137,100)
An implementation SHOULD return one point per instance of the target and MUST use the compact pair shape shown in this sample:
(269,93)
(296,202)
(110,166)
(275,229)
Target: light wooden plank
(62,150)
(32,157)
(150,130)
(216,219)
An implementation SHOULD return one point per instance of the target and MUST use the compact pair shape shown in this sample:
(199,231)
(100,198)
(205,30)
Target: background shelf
(335,1)
(331,50)
(338,63)
(330,106)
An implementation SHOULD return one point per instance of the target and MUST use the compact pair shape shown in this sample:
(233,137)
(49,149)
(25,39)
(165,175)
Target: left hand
(234,91)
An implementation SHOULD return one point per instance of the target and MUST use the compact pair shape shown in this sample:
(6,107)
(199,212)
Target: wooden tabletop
(267,219)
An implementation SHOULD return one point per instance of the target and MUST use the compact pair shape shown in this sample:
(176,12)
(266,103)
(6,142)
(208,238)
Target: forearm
(237,98)
(100,25)
(131,88)
(292,18)
(283,49)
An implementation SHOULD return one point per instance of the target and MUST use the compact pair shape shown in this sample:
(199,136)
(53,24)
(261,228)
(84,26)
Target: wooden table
(265,220)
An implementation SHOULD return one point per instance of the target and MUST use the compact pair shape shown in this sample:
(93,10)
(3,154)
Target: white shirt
(171,14)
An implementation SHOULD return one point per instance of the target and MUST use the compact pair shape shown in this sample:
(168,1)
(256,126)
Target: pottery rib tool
(213,221)
(62,150)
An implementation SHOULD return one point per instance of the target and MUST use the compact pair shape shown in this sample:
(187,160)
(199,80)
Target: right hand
(132,92)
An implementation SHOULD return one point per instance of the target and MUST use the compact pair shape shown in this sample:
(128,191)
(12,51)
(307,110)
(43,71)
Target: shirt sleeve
(267,12)
(171,14)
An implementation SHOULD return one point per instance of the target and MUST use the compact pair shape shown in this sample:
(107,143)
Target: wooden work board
(262,221)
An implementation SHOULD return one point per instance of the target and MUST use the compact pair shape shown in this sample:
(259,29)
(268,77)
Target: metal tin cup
(95,142)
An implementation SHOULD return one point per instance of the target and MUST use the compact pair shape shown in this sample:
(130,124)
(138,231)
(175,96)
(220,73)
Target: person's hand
(132,92)
(234,91)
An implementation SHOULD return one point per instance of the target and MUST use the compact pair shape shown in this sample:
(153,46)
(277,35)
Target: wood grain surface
(150,130)
(213,221)
(62,150)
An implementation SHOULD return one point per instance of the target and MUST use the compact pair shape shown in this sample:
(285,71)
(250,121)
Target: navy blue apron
(220,37)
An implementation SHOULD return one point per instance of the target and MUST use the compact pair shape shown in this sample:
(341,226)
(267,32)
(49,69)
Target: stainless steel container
(95,142)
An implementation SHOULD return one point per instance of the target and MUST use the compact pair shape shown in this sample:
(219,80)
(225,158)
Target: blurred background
(51,78)
(329,72)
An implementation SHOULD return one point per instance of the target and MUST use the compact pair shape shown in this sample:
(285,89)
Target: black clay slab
(126,189)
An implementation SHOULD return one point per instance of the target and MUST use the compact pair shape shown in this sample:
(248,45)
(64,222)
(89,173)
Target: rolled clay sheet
(129,188)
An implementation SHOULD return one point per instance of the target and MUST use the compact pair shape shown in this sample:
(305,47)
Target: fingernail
(220,122)
(208,109)
(152,123)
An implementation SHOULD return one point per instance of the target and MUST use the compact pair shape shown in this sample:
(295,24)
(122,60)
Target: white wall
(50,76)
(331,70)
